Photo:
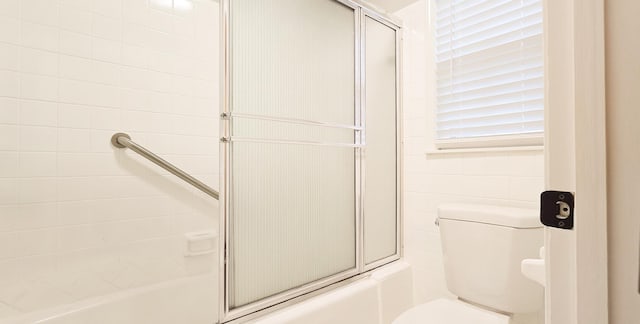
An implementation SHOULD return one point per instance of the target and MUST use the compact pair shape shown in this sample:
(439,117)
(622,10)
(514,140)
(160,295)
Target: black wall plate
(556,209)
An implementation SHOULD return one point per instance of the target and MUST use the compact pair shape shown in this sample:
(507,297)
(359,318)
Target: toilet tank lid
(515,217)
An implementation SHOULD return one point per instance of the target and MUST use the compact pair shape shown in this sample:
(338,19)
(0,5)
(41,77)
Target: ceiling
(391,6)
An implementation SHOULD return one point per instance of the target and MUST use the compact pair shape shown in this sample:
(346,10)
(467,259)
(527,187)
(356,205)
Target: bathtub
(184,301)
(377,298)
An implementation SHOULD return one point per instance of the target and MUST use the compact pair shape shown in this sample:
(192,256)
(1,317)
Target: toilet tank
(483,247)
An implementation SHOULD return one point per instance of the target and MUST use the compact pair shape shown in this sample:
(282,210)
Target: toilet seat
(447,311)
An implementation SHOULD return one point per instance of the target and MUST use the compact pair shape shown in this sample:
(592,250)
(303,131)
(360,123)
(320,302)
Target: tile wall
(511,178)
(79,218)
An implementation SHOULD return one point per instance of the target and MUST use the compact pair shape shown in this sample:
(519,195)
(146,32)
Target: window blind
(490,72)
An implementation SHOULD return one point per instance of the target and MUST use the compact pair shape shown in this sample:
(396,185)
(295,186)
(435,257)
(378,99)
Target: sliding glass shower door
(311,148)
(293,139)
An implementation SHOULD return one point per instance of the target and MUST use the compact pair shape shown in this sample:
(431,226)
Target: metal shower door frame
(292,296)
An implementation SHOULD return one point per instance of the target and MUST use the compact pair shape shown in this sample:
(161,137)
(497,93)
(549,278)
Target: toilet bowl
(449,311)
(483,248)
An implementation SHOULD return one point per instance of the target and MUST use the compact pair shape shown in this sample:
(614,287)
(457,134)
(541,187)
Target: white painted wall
(623,158)
(78,218)
(506,178)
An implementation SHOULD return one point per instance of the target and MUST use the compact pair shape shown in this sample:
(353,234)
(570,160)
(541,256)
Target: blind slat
(490,72)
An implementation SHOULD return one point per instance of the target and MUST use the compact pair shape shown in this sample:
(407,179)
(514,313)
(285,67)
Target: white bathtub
(376,299)
(190,300)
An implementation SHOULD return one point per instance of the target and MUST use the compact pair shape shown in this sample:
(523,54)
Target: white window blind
(490,70)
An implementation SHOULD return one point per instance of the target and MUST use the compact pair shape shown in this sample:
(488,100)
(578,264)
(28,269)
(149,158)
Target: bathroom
(92,232)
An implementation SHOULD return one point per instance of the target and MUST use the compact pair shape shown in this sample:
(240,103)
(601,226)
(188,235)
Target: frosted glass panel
(380,153)
(292,217)
(293,59)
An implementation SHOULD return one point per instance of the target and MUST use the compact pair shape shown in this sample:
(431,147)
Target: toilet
(482,249)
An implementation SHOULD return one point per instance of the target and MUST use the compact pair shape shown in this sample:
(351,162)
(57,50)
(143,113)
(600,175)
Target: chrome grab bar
(122,140)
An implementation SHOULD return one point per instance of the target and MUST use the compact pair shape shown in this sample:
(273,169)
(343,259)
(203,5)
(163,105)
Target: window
(490,73)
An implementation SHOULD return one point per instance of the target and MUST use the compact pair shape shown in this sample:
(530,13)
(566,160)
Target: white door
(576,260)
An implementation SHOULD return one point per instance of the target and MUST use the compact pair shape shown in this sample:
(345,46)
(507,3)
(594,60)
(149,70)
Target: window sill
(501,149)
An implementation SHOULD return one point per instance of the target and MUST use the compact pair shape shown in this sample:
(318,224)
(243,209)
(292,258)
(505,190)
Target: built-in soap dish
(201,243)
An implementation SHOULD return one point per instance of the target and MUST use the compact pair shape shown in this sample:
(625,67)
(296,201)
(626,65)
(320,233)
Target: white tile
(489,164)
(39,87)
(75,165)
(36,138)
(526,164)
(135,55)
(183,27)
(418,182)
(40,36)
(106,164)
(134,99)
(10,8)
(86,5)
(160,21)
(163,62)
(205,107)
(101,141)
(204,67)
(86,93)
(136,78)
(105,118)
(9,57)
(77,68)
(40,11)
(165,82)
(75,19)
(186,7)
(148,38)
(37,164)
(108,8)
(8,191)
(166,5)
(9,109)
(9,83)
(10,30)
(78,237)
(136,11)
(74,116)
(415,127)
(6,245)
(8,164)
(39,62)
(74,140)
(35,190)
(38,113)
(9,135)
(74,212)
(108,28)
(75,189)
(525,188)
(485,186)
(107,50)
(34,216)
(167,103)
(36,242)
(109,210)
(75,44)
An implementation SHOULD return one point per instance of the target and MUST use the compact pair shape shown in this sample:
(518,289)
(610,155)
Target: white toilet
(482,248)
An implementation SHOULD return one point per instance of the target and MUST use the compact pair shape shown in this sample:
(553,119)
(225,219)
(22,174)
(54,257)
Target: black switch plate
(556,209)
